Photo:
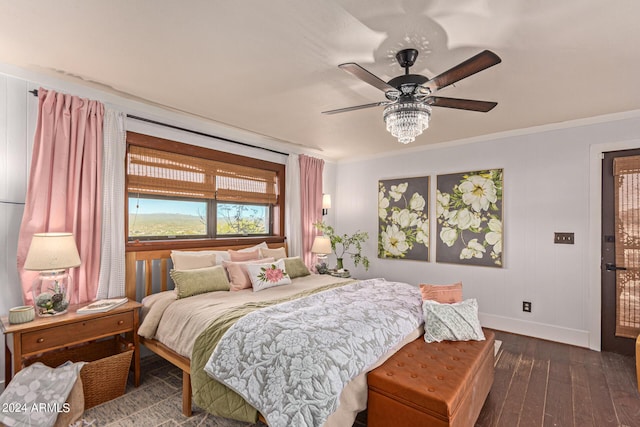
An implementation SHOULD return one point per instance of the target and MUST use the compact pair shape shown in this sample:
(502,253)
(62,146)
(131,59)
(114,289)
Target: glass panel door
(627,245)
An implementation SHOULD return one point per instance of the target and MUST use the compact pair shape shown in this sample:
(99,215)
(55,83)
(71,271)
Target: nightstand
(45,334)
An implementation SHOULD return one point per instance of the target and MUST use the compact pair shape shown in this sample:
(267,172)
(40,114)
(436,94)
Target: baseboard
(575,337)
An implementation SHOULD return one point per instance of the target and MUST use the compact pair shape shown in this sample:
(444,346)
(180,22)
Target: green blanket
(211,395)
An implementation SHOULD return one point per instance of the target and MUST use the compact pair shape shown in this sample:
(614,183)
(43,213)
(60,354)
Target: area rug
(158,402)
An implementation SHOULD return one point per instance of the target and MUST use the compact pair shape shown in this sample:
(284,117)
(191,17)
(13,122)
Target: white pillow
(276,253)
(220,256)
(451,322)
(190,260)
(254,248)
(264,276)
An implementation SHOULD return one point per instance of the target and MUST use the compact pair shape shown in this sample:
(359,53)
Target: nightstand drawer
(76,332)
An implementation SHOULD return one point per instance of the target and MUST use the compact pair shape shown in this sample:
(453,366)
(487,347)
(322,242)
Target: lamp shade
(52,251)
(321,245)
(326,201)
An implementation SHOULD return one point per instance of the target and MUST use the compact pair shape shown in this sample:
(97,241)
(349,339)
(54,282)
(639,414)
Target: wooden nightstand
(45,334)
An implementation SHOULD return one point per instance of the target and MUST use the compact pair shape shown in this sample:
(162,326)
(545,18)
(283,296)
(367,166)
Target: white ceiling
(270,67)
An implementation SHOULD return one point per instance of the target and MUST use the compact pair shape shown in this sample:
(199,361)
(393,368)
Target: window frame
(276,211)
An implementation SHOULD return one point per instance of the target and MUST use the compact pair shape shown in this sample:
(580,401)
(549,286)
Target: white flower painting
(403,218)
(469,218)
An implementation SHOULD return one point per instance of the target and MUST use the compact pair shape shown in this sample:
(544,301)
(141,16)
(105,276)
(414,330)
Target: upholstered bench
(436,384)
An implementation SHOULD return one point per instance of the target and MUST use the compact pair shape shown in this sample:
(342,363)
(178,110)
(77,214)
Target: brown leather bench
(434,385)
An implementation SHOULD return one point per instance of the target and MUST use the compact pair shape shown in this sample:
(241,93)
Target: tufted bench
(434,385)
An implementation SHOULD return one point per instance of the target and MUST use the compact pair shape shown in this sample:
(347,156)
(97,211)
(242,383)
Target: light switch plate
(564,238)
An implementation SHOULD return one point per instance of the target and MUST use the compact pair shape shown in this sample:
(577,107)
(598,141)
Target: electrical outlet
(526,306)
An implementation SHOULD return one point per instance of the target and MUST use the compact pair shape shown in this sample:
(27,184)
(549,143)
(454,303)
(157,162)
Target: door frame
(610,341)
(594,274)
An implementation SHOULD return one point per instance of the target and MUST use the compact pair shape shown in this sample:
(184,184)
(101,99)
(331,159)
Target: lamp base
(52,293)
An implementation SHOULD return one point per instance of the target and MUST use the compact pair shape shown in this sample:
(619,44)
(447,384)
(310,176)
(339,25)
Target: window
(241,219)
(168,218)
(179,191)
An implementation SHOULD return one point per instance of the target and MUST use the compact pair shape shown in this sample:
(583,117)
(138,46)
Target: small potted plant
(344,244)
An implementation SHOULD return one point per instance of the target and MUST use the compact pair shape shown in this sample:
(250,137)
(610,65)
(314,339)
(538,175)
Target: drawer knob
(120,322)
(40,340)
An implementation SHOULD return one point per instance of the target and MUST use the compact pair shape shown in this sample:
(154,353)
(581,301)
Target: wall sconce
(52,254)
(326,203)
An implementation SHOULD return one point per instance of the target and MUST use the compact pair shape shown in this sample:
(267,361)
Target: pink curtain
(310,203)
(65,189)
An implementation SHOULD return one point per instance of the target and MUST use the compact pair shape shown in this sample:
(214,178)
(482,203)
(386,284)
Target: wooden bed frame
(146,257)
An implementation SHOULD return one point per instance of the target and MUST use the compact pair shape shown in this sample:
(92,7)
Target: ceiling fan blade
(461,104)
(366,76)
(481,61)
(357,107)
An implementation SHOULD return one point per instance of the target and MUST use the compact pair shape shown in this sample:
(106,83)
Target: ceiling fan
(410,96)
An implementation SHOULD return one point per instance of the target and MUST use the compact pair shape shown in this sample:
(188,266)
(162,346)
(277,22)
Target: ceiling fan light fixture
(407,120)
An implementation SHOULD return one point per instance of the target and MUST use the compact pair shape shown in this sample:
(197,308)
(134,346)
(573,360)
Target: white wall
(18,110)
(550,182)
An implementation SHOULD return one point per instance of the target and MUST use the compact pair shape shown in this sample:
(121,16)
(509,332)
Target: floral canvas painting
(403,218)
(469,218)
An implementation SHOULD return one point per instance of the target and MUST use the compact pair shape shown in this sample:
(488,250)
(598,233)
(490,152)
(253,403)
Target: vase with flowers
(345,244)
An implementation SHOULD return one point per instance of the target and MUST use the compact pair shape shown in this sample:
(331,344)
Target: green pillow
(199,281)
(295,267)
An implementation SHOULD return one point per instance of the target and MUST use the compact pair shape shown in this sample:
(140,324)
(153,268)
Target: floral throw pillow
(451,322)
(264,276)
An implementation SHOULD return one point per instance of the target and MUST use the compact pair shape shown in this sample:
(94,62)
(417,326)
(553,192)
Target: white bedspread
(178,322)
(291,361)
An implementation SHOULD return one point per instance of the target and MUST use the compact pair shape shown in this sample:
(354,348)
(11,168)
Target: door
(620,250)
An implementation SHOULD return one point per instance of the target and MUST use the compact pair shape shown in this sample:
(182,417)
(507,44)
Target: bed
(180,325)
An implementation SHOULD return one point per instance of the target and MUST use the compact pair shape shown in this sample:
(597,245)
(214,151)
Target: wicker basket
(104,377)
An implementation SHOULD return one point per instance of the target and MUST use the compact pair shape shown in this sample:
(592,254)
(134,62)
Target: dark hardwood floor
(542,383)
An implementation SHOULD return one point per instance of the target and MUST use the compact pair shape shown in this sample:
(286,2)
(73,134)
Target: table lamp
(321,247)
(52,254)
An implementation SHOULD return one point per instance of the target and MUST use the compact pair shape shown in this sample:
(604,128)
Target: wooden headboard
(144,258)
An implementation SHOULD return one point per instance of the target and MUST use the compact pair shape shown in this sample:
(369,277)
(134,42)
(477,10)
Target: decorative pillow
(189,260)
(237,256)
(295,267)
(264,276)
(199,281)
(442,293)
(238,274)
(451,322)
(255,248)
(220,255)
(276,253)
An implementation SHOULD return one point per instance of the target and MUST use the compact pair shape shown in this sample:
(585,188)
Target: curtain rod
(155,122)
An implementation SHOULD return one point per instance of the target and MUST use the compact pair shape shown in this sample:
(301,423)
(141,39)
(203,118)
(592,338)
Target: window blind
(627,246)
(162,173)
